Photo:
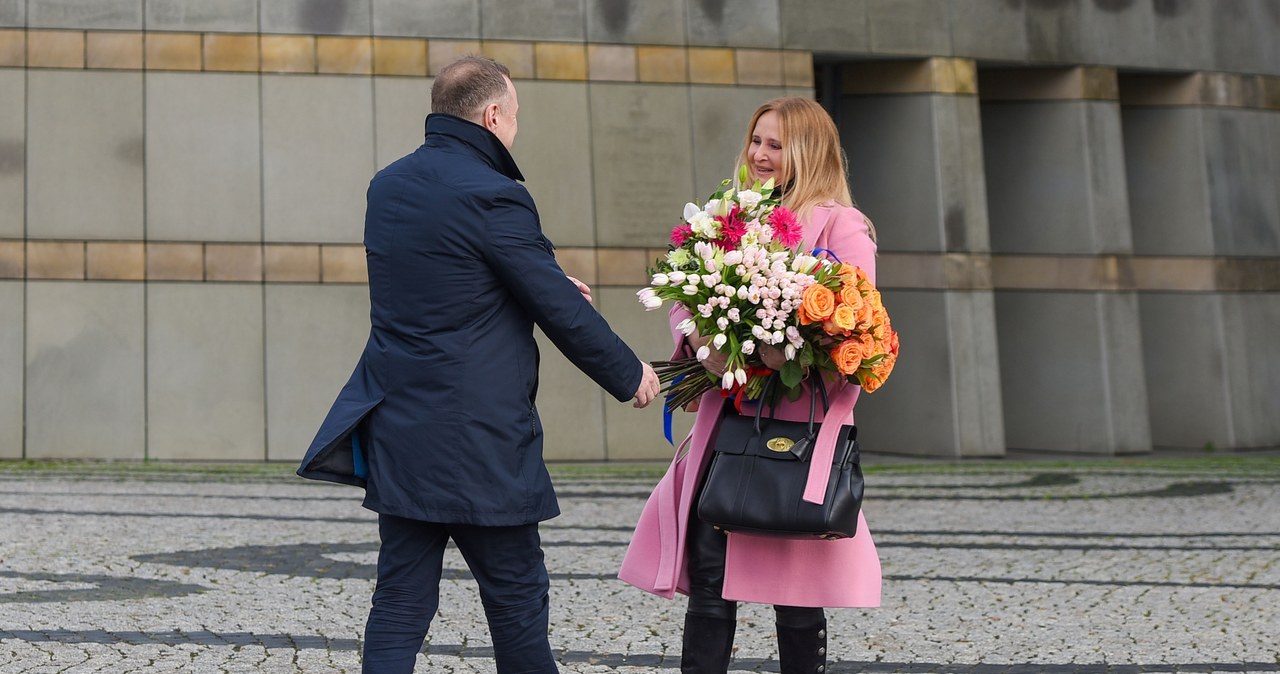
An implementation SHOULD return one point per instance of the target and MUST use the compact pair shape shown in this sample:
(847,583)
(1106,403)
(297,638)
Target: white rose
(749,199)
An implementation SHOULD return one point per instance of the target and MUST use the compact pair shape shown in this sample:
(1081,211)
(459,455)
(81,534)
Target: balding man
(438,422)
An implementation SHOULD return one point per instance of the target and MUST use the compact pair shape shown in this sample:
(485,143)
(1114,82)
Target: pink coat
(767,570)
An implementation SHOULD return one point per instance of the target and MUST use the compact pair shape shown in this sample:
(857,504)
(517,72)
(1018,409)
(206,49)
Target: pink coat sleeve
(849,237)
(677,314)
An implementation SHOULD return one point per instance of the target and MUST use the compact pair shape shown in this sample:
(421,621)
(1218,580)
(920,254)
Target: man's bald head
(465,87)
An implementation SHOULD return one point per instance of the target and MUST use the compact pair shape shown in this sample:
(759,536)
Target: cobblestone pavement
(987,570)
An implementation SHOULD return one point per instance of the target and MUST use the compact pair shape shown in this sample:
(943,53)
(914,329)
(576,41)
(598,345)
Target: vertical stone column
(1071,360)
(1200,151)
(921,118)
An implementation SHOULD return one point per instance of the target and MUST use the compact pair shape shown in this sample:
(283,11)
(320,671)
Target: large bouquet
(736,264)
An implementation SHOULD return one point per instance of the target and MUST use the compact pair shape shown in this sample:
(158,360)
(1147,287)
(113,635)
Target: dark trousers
(507,563)
(705,549)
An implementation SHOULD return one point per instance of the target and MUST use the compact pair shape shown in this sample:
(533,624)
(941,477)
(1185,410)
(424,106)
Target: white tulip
(740,375)
(789,351)
(727,380)
(677,278)
(686,326)
(651,303)
(690,210)
(719,340)
(748,347)
(703,352)
(690,290)
(660,279)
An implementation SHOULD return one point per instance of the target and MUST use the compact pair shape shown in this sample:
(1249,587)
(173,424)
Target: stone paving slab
(990,571)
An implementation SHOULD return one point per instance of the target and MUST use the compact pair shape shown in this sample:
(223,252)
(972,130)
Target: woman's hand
(772,357)
(716,360)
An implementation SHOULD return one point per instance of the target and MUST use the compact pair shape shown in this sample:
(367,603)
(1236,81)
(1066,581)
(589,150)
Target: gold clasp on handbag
(780,444)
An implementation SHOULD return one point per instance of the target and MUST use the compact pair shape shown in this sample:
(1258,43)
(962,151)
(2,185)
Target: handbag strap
(819,384)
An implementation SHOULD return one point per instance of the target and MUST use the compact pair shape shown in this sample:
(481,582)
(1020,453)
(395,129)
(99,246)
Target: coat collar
(479,139)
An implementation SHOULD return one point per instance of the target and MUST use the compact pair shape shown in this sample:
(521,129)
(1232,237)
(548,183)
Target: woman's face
(764,154)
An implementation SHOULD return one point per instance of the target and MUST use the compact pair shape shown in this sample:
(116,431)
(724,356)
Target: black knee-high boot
(707,644)
(803,650)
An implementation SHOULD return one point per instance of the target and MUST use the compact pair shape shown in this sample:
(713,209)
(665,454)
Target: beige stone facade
(1077,205)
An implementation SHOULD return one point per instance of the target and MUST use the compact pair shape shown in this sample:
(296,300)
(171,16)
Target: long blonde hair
(814,169)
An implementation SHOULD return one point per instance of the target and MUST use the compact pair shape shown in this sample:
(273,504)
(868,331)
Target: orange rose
(848,273)
(866,315)
(847,356)
(844,318)
(868,345)
(869,383)
(893,344)
(849,295)
(818,301)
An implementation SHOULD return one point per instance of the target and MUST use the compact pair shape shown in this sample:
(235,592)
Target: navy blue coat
(438,421)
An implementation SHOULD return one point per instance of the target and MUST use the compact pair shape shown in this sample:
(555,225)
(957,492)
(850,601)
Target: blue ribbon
(828,251)
(357,457)
(667,414)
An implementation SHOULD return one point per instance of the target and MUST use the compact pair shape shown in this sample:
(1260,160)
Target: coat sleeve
(522,258)
(849,237)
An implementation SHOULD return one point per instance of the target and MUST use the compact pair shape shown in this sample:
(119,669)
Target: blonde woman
(794,141)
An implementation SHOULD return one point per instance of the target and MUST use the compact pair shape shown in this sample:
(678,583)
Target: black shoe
(803,650)
(707,644)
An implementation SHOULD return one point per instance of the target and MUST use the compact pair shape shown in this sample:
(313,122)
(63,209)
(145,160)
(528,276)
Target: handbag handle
(820,385)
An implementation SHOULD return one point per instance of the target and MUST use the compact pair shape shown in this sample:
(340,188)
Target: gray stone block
(84,155)
(400,107)
(13,153)
(621,21)
(1061,391)
(989,30)
(350,17)
(641,164)
(742,23)
(1108,205)
(553,150)
(1090,31)
(233,16)
(1184,370)
(84,355)
(919,27)
(1183,33)
(314,335)
(1243,151)
(633,434)
(825,25)
(85,14)
(13,389)
(13,13)
(532,20)
(1253,367)
(893,167)
(1168,182)
(317,137)
(1037,175)
(962,181)
(1244,36)
(427,18)
(199,407)
(570,406)
(720,118)
(203,157)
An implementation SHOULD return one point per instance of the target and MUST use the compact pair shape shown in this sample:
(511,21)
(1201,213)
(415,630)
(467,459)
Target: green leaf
(792,373)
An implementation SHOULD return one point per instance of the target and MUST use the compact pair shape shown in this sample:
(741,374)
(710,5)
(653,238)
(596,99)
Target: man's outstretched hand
(649,387)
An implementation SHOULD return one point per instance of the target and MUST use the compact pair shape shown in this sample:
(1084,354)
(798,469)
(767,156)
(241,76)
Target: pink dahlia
(681,233)
(732,228)
(786,228)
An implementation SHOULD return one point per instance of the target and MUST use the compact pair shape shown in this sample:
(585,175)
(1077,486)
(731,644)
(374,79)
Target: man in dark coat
(438,422)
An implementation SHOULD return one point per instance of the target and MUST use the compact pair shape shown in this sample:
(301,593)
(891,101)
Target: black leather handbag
(759,470)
